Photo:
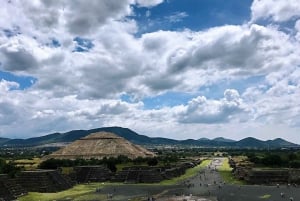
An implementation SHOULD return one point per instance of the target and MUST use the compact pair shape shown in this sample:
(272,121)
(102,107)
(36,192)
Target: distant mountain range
(221,139)
(145,140)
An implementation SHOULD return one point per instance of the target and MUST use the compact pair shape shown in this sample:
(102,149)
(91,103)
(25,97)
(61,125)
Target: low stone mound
(100,145)
(43,181)
(145,174)
(86,174)
(10,189)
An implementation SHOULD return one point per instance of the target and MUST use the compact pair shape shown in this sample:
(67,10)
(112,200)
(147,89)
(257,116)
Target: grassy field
(225,172)
(79,192)
(129,164)
(67,170)
(82,193)
(267,196)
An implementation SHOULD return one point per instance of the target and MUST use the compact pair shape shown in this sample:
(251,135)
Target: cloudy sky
(173,68)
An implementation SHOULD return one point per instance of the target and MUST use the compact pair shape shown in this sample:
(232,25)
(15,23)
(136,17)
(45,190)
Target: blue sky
(169,68)
(23,81)
(192,14)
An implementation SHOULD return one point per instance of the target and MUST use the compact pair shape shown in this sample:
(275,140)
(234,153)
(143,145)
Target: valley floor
(206,185)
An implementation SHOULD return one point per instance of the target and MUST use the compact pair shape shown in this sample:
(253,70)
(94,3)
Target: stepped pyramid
(10,189)
(99,145)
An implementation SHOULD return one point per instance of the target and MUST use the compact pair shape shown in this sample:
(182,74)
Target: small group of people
(151,199)
(282,195)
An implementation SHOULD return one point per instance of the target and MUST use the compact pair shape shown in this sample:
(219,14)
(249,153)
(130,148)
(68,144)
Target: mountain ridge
(222,139)
(70,136)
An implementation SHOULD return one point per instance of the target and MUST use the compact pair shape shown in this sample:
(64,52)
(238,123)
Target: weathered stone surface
(100,145)
(145,174)
(10,189)
(43,181)
(97,173)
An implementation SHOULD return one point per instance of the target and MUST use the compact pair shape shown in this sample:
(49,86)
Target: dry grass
(28,164)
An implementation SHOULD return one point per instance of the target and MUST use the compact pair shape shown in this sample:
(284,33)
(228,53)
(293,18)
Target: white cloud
(277,10)
(81,90)
(255,49)
(201,110)
(176,17)
(275,102)
(6,86)
(148,3)
(297,28)
(297,25)
(76,17)
(17,55)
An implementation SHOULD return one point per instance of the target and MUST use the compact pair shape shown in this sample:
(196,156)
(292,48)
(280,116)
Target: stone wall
(146,174)
(92,174)
(10,189)
(294,176)
(43,181)
(267,176)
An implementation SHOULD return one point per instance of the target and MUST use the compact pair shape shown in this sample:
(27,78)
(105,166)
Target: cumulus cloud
(148,3)
(202,110)
(7,86)
(7,113)
(249,49)
(276,10)
(77,17)
(227,50)
(36,112)
(276,100)
(94,14)
(152,64)
(81,90)
(297,28)
(16,57)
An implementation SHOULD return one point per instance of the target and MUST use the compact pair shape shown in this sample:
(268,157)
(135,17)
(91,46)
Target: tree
(295,164)
(8,168)
(152,161)
(2,164)
(139,160)
(111,165)
(51,164)
(292,156)
(253,158)
(272,160)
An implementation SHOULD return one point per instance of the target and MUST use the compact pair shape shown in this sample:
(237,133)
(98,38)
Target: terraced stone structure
(10,189)
(139,174)
(267,176)
(145,174)
(100,145)
(86,174)
(43,181)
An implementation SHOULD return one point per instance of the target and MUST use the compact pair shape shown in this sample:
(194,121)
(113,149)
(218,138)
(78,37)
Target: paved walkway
(207,185)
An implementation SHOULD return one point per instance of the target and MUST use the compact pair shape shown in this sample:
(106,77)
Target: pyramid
(99,145)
